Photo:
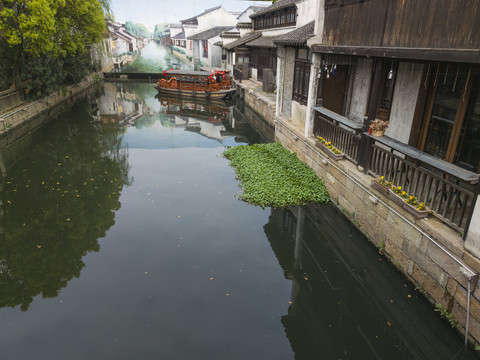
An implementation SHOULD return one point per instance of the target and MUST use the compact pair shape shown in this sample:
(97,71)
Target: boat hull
(221,94)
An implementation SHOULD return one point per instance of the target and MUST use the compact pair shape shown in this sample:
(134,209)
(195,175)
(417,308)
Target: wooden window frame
(332,3)
(301,78)
(276,19)
(451,152)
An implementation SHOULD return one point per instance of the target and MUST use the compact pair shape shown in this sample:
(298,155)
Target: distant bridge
(122,76)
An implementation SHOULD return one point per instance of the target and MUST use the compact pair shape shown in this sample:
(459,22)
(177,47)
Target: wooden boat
(199,84)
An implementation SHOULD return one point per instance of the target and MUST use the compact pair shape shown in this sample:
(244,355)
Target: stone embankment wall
(10,98)
(15,122)
(427,252)
(180,55)
(260,104)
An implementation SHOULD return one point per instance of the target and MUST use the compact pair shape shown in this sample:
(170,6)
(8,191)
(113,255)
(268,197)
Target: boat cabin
(196,80)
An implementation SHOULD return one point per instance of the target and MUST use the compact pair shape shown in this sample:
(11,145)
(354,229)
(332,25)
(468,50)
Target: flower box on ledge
(376,184)
(412,209)
(329,152)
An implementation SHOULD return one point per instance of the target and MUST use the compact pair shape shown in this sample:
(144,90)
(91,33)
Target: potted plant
(381,185)
(418,210)
(377,127)
(328,148)
(398,195)
(408,202)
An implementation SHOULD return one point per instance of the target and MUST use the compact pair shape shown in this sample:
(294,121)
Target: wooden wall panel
(452,24)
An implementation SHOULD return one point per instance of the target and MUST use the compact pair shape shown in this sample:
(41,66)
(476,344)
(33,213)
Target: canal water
(122,237)
(156,58)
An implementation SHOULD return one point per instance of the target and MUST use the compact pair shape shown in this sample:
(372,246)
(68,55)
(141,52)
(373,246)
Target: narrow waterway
(156,58)
(122,238)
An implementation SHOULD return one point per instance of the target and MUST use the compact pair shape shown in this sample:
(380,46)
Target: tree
(38,36)
(139,30)
(158,31)
(58,26)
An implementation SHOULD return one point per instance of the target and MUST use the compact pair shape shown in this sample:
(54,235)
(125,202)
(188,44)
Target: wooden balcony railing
(446,189)
(344,134)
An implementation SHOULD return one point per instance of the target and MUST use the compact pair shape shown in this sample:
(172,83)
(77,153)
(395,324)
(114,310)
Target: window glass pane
(306,80)
(450,88)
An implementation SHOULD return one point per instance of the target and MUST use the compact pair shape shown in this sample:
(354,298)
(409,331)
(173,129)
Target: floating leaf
(272,176)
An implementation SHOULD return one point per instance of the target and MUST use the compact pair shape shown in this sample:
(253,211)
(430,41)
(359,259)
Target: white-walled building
(125,46)
(216,17)
(257,48)
(204,46)
(233,47)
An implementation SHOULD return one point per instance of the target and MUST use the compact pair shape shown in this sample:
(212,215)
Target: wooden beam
(471,56)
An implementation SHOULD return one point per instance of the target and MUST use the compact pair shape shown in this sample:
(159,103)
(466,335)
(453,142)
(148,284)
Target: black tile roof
(179,36)
(298,36)
(280,4)
(210,33)
(263,42)
(243,40)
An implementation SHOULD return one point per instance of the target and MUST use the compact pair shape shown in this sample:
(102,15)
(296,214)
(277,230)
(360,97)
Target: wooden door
(334,89)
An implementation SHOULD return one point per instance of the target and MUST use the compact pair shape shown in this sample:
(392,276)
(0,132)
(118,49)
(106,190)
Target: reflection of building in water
(345,302)
(211,119)
(117,104)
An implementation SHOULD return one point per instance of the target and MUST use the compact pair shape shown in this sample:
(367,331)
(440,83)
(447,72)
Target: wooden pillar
(319,95)
(374,94)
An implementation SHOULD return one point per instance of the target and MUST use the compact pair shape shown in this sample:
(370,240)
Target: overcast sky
(152,12)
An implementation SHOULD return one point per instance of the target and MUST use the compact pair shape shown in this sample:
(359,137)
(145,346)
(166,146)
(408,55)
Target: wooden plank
(429,159)
(453,24)
(336,117)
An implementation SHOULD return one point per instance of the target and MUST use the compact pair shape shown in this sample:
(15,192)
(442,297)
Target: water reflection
(346,301)
(59,197)
(60,187)
(206,118)
(120,105)
(138,105)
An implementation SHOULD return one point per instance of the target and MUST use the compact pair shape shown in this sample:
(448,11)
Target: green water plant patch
(272,176)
